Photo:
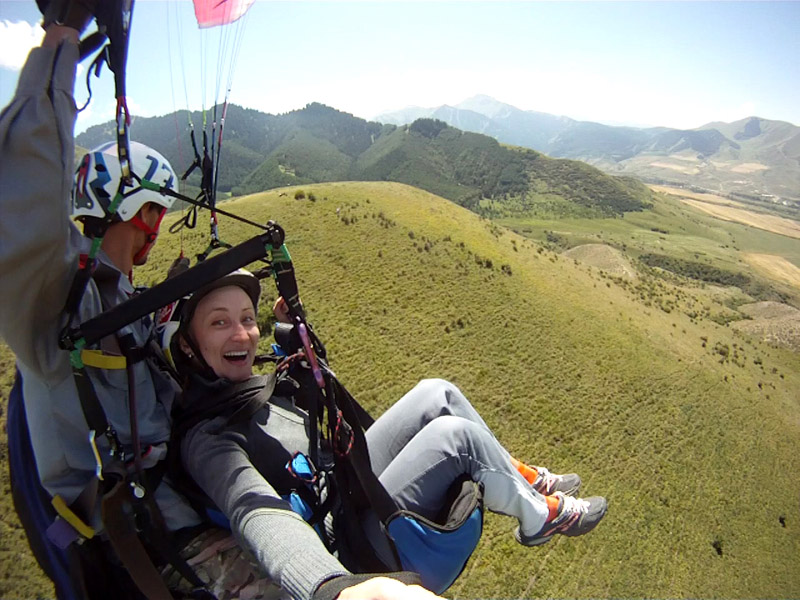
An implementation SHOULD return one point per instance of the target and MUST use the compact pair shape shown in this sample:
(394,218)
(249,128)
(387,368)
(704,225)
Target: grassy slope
(571,372)
(691,235)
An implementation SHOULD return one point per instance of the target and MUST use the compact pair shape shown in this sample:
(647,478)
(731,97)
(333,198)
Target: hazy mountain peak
(487,106)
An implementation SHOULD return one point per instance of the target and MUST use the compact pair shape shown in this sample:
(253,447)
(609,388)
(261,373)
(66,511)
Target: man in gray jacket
(40,251)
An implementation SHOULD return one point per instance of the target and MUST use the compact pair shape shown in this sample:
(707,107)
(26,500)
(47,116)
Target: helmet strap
(150,232)
(196,358)
(95,227)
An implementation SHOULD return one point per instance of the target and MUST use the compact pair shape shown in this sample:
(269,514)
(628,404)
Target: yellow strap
(96,358)
(70,517)
(97,460)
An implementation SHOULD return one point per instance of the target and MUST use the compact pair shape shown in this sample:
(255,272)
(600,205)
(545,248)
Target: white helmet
(98,176)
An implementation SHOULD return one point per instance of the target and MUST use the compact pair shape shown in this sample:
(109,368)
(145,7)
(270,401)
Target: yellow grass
(682,423)
(729,210)
(749,168)
(775,267)
(770,223)
(674,167)
(703,197)
(603,256)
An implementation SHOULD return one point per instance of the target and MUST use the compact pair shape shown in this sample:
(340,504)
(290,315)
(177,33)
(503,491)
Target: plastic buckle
(301,467)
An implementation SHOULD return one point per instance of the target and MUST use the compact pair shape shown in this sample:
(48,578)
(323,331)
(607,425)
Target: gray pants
(433,435)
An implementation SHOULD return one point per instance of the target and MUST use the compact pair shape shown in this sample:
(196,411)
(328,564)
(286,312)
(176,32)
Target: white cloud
(99,110)
(16,41)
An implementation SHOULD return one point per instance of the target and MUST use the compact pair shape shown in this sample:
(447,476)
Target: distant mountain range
(318,144)
(754,157)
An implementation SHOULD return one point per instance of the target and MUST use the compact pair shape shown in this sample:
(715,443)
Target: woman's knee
(440,391)
(454,435)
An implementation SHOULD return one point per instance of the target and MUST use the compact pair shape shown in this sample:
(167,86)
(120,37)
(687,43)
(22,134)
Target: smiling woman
(225,332)
(218,333)
(256,454)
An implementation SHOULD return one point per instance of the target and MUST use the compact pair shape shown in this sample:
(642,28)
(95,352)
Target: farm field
(702,196)
(731,210)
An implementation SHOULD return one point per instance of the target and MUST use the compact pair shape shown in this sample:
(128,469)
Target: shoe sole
(536,541)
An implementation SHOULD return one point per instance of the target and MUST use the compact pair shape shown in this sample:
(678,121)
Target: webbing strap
(126,543)
(99,360)
(174,288)
(70,517)
(95,417)
(359,486)
(286,281)
(379,499)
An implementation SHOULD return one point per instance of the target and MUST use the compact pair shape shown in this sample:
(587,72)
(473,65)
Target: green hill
(319,143)
(689,428)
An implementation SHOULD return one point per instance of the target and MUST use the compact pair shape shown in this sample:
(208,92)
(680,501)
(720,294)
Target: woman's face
(225,331)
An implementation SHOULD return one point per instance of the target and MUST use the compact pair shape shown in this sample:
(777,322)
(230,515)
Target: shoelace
(571,511)
(547,482)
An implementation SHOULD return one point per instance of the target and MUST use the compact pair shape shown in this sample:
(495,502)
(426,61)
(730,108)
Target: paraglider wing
(210,13)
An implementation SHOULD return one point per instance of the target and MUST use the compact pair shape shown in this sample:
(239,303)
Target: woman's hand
(384,588)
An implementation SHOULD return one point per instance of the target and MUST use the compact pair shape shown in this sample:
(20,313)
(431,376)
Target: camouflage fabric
(228,569)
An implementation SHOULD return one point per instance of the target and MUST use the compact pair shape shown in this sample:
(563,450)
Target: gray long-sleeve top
(39,250)
(239,467)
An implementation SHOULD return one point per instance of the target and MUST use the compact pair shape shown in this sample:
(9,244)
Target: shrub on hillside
(695,270)
(429,128)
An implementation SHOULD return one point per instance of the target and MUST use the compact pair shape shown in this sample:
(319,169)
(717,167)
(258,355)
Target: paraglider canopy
(211,13)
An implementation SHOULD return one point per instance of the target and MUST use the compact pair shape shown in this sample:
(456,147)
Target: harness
(132,520)
(334,415)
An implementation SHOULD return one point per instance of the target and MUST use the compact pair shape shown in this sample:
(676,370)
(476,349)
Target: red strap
(152,233)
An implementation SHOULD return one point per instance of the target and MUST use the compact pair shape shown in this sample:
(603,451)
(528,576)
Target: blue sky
(676,64)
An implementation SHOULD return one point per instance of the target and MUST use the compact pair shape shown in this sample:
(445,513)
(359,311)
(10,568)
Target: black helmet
(240,277)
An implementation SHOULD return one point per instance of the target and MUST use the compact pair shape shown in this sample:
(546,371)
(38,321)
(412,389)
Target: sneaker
(548,483)
(576,516)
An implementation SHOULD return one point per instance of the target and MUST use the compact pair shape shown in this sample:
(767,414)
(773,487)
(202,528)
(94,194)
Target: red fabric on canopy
(210,13)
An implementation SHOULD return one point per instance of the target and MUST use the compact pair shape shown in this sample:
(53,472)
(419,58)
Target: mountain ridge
(319,143)
(751,157)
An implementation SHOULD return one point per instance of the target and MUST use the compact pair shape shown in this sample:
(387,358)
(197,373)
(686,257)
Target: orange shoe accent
(529,473)
(552,506)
